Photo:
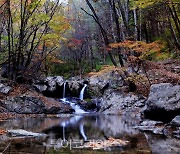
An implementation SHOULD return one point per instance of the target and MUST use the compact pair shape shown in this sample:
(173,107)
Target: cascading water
(81,97)
(73,105)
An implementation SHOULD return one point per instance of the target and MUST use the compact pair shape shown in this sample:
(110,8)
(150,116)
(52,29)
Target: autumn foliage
(140,49)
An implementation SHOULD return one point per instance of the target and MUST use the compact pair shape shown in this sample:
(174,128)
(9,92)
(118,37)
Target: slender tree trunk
(175,19)
(140,25)
(103,32)
(9,36)
(125,16)
(176,41)
(135,25)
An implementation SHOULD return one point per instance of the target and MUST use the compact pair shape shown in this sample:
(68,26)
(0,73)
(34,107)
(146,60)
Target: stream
(68,133)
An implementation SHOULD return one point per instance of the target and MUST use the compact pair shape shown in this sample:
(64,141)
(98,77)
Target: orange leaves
(133,59)
(2,131)
(73,43)
(140,47)
(76,41)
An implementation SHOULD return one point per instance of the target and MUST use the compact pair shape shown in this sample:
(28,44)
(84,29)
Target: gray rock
(33,105)
(163,102)
(51,82)
(160,145)
(176,121)
(40,87)
(117,102)
(110,80)
(4,89)
(21,132)
(74,84)
(154,126)
(24,105)
(164,96)
(177,133)
(50,86)
(59,80)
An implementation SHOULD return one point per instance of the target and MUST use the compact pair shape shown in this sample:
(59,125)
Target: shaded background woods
(50,37)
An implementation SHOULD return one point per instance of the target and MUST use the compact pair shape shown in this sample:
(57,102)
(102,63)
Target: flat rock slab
(21,132)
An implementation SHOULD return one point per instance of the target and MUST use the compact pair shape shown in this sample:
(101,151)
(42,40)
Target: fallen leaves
(103,144)
(2,131)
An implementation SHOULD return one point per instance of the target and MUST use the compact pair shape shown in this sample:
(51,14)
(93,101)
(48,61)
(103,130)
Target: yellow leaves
(145,3)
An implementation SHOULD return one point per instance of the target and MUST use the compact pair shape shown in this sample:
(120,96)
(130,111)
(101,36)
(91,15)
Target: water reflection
(79,128)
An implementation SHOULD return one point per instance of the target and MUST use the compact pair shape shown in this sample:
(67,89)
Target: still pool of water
(67,132)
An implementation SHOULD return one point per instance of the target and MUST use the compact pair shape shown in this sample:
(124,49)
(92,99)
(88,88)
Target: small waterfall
(75,106)
(82,92)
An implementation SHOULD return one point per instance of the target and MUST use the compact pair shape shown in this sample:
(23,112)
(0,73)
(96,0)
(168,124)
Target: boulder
(163,102)
(51,82)
(74,86)
(153,126)
(33,105)
(40,87)
(114,102)
(176,121)
(24,105)
(51,86)
(4,89)
(108,80)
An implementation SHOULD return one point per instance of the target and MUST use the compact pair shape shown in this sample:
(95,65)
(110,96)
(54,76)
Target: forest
(91,56)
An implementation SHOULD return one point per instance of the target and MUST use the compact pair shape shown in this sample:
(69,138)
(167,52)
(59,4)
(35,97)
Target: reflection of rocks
(163,145)
(117,126)
(163,102)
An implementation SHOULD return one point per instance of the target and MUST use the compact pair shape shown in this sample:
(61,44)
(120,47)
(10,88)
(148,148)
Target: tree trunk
(135,25)
(103,32)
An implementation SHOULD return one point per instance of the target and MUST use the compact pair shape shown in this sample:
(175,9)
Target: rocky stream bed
(109,110)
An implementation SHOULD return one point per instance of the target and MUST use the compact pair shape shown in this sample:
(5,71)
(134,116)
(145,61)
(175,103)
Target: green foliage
(154,56)
(64,69)
(3,56)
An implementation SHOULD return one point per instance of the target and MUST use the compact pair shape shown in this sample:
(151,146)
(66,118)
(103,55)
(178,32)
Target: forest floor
(167,71)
